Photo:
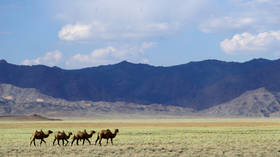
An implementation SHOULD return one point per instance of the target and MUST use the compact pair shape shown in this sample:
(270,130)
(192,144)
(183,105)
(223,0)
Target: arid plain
(150,137)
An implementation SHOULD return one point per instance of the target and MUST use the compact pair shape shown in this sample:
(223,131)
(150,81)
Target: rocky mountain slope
(24,101)
(255,103)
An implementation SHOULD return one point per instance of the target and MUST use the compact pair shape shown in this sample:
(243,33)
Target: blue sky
(76,34)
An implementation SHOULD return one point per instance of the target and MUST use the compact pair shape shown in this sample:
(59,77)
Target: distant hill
(255,103)
(196,85)
(26,101)
(33,117)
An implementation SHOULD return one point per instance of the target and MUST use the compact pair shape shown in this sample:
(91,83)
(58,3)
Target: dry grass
(152,138)
(94,124)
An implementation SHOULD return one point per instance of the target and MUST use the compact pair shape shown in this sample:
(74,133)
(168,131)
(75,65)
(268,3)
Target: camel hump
(40,132)
(109,131)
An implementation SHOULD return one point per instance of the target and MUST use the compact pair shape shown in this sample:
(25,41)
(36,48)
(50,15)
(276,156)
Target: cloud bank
(248,26)
(111,54)
(101,56)
(50,59)
(125,19)
(244,15)
(74,32)
(250,43)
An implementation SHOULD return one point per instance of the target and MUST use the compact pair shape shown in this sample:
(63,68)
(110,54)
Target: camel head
(92,132)
(70,133)
(116,131)
(49,131)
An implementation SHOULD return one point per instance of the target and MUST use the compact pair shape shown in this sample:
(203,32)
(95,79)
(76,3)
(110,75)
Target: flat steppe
(150,137)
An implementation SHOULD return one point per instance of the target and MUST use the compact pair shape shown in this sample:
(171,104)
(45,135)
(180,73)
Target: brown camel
(82,135)
(39,135)
(107,134)
(61,136)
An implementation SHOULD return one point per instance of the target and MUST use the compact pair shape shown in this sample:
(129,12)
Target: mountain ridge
(27,101)
(198,85)
(254,103)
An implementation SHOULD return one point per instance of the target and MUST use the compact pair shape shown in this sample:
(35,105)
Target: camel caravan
(79,136)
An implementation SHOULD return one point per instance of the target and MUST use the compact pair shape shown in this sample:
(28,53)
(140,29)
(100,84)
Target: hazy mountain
(32,117)
(197,85)
(24,101)
(255,103)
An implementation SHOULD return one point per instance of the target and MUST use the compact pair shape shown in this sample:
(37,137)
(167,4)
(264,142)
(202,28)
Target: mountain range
(210,86)
(28,101)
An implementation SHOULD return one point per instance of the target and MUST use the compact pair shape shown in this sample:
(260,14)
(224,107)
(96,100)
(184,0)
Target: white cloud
(226,24)
(145,19)
(50,59)
(128,19)
(146,45)
(110,55)
(102,56)
(74,32)
(244,16)
(250,43)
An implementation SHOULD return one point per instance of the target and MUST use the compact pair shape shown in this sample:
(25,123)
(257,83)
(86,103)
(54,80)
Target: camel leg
(63,142)
(67,142)
(77,142)
(100,141)
(44,141)
(54,141)
(72,141)
(88,141)
(96,140)
(58,142)
(112,141)
(41,142)
(107,141)
(83,141)
(31,142)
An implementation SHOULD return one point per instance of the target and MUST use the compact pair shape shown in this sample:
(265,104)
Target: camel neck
(114,134)
(91,133)
(68,135)
(47,135)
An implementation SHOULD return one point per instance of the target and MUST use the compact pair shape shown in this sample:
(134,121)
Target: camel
(82,136)
(61,136)
(39,135)
(107,134)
